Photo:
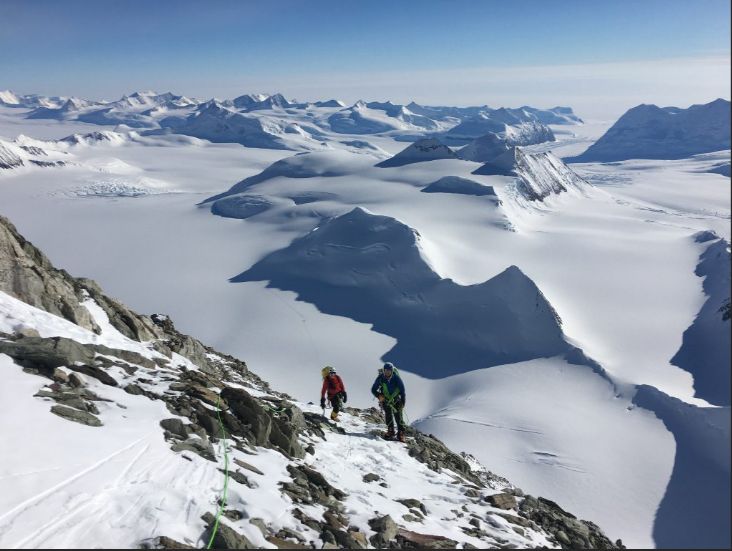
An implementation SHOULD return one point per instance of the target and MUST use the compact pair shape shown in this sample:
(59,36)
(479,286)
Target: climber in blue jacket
(389,389)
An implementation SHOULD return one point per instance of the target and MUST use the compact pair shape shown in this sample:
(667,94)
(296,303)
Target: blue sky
(447,51)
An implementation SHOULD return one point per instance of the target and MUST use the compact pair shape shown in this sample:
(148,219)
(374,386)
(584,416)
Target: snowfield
(239,236)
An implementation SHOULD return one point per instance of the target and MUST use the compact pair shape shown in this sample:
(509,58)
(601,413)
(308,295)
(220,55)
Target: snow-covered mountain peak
(652,132)
(428,149)
(537,175)
(8,97)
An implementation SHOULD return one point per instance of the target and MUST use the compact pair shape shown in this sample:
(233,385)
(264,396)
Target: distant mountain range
(275,122)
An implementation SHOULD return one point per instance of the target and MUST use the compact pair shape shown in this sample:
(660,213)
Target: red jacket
(333,385)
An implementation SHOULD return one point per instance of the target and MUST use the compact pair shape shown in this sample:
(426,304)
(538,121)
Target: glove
(322,403)
(345,397)
(381,398)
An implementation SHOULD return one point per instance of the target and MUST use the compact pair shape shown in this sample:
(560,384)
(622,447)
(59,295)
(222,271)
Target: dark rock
(247,466)
(433,453)
(277,428)
(126,355)
(93,371)
(287,533)
(241,478)
(197,446)
(371,477)
(226,537)
(307,521)
(281,543)
(413,504)
(47,354)
(175,426)
(163,542)
(513,519)
(82,417)
(210,424)
(332,520)
(407,538)
(386,530)
(502,501)
(259,523)
(76,380)
(233,514)
(360,539)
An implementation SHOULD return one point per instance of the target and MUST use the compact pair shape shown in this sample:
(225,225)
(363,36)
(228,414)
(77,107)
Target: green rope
(222,501)
(390,402)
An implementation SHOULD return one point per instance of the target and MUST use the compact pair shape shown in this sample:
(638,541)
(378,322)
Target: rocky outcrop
(26,274)
(265,423)
(568,531)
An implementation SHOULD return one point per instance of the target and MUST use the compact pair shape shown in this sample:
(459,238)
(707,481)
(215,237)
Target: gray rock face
(130,324)
(47,354)
(26,274)
(267,425)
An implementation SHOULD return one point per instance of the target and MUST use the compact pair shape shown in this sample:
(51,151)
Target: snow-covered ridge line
(275,122)
(138,405)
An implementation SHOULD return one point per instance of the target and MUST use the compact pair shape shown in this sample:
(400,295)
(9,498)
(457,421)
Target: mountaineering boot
(333,416)
(401,436)
(388,435)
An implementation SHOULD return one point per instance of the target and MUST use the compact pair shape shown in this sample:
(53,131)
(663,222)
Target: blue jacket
(394,386)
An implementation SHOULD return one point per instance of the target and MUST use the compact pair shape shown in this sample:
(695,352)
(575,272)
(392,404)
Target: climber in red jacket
(333,384)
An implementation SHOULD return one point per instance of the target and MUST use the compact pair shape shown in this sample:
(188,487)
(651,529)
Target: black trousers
(336,402)
(392,413)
